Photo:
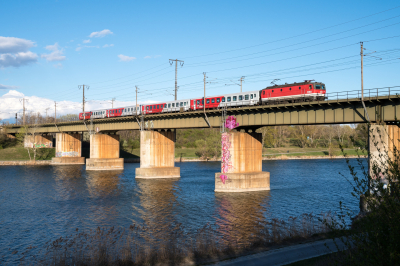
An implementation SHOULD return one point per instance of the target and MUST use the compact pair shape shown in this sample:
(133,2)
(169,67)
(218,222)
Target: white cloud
(57,54)
(14,45)
(125,58)
(78,48)
(87,41)
(14,52)
(7,87)
(147,57)
(18,59)
(10,104)
(100,34)
(107,45)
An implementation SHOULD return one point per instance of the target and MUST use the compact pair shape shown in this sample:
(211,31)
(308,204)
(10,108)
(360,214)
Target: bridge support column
(39,141)
(383,146)
(157,155)
(104,153)
(68,149)
(241,163)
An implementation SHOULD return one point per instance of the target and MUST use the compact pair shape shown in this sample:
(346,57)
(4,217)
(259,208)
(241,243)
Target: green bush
(45,153)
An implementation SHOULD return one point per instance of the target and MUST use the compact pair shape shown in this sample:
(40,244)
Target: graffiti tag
(67,154)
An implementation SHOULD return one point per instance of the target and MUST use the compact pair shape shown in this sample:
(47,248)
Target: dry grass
(146,246)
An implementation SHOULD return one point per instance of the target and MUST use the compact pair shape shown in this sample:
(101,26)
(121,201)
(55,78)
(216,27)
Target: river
(42,203)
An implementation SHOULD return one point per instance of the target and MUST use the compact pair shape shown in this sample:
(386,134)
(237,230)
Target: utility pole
(23,100)
(362,80)
(112,102)
(241,80)
(362,71)
(16,118)
(55,112)
(204,103)
(136,99)
(48,108)
(171,61)
(83,99)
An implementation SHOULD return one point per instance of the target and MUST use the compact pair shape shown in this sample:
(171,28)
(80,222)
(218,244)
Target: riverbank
(182,160)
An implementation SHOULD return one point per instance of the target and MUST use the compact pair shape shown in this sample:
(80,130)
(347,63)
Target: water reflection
(241,214)
(157,207)
(103,183)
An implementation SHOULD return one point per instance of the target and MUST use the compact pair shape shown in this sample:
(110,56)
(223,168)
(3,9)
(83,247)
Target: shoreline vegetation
(278,142)
(139,245)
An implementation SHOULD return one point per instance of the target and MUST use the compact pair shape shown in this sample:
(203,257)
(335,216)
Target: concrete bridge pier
(157,155)
(68,149)
(241,163)
(104,153)
(383,146)
(38,141)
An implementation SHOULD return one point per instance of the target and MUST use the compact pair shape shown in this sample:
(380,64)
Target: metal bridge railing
(368,93)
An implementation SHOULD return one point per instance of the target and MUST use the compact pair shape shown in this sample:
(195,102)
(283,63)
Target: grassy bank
(190,153)
(19,153)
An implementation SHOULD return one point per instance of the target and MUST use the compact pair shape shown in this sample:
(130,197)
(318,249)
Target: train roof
(293,84)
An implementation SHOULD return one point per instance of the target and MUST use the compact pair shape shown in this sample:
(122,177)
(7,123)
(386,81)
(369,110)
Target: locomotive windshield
(320,87)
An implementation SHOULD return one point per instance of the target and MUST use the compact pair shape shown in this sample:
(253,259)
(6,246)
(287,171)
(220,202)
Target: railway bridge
(241,146)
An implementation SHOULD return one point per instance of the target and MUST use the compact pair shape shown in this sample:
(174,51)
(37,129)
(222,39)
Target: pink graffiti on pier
(223,178)
(231,122)
(226,164)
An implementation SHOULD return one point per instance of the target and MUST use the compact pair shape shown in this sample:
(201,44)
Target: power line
(299,35)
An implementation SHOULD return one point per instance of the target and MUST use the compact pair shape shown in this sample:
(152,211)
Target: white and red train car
(295,92)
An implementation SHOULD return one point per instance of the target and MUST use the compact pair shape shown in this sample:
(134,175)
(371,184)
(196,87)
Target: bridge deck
(340,111)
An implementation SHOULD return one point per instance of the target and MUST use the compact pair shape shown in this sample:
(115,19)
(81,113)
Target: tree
(373,236)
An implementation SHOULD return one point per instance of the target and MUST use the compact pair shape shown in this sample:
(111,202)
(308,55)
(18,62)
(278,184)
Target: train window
(198,102)
(154,106)
(281,89)
(184,104)
(173,104)
(223,99)
(240,97)
(290,89)
(251,96)
(234,98)
(299,88)
(263,92)
(151,107)
(181,103)
(218,100)
(169,105)
(212,100)
(255,95)
(246,97)
(272,90)
(317,87)
(322,87)
(310,87)
(147,107)
(165,105)
(208,101)
(229,99)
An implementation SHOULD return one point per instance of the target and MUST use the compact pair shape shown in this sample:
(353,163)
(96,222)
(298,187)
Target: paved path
(286,255)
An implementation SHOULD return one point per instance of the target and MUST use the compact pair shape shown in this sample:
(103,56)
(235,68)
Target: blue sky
(48,48)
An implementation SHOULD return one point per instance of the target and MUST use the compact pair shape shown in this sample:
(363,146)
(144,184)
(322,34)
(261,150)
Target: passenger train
(287,93)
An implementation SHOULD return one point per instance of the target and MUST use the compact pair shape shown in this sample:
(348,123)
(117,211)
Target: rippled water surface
(42,203)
